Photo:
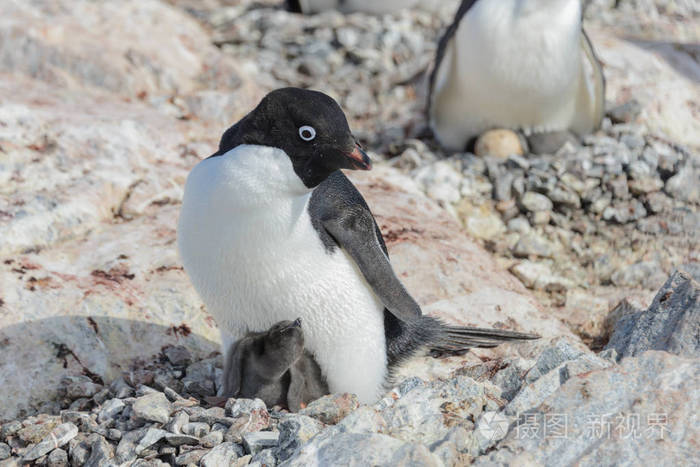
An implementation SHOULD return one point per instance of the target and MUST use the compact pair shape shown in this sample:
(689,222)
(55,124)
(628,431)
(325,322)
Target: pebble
(200,377)
(152,407)
(533,202)
(178,355)
(624,211)
(212,439)
(625,113)
(110,409)
(100,451)
(519,224)
(331,409)
(57,438)
(80,386)
(34,429)
(150,437)
(533,244)
(685,185)
(223,454)
(79,453)
(177,422)
(564,197)
(208,416)
(647,274)
(180,439)
(658,202)
(5,451)
(540,217)
(242,461)
(121,389)
(10,428)
(57,458)
(190,457)
(196,429)
(295,430)
(480,221)
(645,184)
(256,441)
(264,458)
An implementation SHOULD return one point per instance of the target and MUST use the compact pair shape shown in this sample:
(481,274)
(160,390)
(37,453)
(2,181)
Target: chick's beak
(359,159)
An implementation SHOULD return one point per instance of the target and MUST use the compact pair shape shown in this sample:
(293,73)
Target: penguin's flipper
(342,218)
(443,45)
(591,94)
(355,231)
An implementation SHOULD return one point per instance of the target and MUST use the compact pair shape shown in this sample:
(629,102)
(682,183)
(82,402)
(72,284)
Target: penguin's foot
(551,142)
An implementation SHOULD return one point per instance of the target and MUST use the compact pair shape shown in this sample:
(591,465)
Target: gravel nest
(140,420)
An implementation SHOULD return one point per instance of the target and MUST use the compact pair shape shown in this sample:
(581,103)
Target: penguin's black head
(284,340)
(307,125)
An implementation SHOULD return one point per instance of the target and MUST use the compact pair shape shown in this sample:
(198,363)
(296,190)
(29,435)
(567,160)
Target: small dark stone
(100,451)
(5,451)
(625,113)
(57,458)
(178,355)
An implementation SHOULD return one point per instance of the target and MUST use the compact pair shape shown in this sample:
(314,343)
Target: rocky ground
(107,355)
(565,405)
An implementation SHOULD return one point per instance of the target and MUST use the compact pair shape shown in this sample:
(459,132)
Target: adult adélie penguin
(525,65)
(270,230)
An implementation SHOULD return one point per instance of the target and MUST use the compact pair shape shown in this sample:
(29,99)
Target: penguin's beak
(359,159)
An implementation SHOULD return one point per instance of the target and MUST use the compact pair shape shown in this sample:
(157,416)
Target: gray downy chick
(273,366)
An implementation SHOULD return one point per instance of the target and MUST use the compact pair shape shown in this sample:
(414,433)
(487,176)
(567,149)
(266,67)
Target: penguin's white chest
(249,247)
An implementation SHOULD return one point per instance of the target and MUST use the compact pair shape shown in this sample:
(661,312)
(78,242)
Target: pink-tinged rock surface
(662,77)
(129,47)
(72,161)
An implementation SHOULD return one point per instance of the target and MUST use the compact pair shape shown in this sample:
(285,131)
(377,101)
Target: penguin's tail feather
(405,339)
(456,338)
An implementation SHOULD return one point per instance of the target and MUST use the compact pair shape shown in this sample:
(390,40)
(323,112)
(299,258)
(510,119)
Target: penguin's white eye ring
(307,133)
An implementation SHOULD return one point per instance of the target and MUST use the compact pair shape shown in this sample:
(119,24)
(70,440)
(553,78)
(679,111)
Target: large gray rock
(641,411)
(555,366)
(671,323)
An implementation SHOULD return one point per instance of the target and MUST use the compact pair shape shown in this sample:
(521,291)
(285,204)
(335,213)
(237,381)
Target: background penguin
(270,229)
(273,366)
(520,64)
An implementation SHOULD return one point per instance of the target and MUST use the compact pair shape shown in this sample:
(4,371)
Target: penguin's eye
(307,133)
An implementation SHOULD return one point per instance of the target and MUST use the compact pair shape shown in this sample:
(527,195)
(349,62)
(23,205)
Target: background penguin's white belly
(509,68)
(254,267)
